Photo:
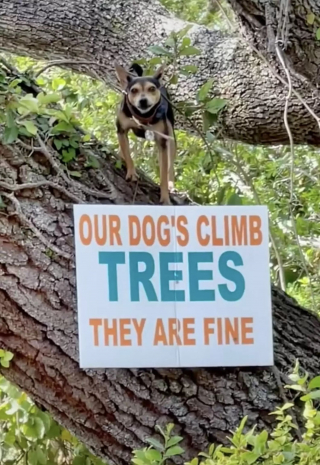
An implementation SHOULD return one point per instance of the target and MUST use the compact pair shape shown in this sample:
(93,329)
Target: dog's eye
(152,89)
(134,91)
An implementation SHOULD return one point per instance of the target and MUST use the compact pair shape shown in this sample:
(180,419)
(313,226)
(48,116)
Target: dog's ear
(159,74)
(123,76)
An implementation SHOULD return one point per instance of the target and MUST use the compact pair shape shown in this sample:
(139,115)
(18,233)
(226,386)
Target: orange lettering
(95,322)
(100,240)
(215,240)
(148,220)
(163,239)
(110,332)
(160,334)
(124,331)
(239,234)
(139,329)
(232,330)
(173,329)
(187,331)
(245,330)
(220,340)
(114,226)
(255,230)
(182,239)
(85,220)
(134,238)
(203,240)
(226,231)
(207,329)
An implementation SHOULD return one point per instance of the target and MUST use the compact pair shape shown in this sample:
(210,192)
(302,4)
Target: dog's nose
(143,103)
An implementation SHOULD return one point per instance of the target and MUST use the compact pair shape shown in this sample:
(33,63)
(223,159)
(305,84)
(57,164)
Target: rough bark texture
(113,411)
(103,31)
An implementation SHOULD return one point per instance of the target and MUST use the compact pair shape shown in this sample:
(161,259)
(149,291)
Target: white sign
(173,286)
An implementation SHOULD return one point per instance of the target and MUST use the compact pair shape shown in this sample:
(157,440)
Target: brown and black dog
(146,102)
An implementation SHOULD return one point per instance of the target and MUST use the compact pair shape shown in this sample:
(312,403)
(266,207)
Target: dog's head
(143,91)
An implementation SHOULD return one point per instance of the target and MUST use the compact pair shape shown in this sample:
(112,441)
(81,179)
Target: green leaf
(234,199)
(187,51)
(157,50)
(174,440)
(58,84)
(174,79)
(210,137)
(189,69)
(208,120)
(314,383)
(80,460)
(8,356)
(75,174)
(10,135)
(39,427)
(2,352)
(313,395)
(155,443)
(29,103)
(176,450)
(32,457)
(57,143)
(184,31)
(49,98)
(86,138)
(295,387)
(186,42)
(204,90)
(318,33)
(62,127)
(153,455)
(310,18)
(68,155)
(30,126)
(250,457)
(41,457)
(220,195)
(215,105)
(4,363)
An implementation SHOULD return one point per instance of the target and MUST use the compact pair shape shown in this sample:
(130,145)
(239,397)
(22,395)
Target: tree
(113,411)
(98,33)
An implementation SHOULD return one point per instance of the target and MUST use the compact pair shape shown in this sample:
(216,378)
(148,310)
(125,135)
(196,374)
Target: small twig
(34,185)
(44,150)
(277,374)
(286,123)
(30,225)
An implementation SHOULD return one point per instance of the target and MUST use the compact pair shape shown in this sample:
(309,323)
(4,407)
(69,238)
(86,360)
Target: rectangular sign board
(173,286)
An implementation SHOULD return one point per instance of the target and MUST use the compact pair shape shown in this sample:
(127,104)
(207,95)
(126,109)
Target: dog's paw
(131,175)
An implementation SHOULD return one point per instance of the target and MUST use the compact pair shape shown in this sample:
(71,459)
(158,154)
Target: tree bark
(103,31)
(113,411)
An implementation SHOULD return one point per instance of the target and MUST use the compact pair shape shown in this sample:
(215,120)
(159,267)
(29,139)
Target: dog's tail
(136,69)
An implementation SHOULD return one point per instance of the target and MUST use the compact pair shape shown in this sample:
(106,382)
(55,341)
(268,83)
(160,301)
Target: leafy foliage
(249,447)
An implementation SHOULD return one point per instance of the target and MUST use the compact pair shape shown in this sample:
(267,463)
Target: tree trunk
(102,31)
(113,411)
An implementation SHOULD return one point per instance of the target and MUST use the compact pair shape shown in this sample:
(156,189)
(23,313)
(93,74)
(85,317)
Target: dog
(146,104)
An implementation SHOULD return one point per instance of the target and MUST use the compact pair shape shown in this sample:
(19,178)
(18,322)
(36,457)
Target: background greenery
(211,172)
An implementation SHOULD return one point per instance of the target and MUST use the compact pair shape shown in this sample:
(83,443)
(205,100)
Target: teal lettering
(196,275)
(143,277)
(232,275)
(112,259)
(166,275)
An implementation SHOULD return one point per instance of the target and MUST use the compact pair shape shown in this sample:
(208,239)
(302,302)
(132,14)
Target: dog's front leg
(125,154)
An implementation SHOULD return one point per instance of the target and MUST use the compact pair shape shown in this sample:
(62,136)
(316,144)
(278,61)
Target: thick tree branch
(103,31)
